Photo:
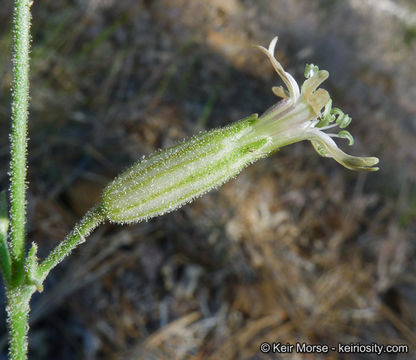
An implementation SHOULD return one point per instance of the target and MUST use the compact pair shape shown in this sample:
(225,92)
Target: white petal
(288,79)
(349,161)
(272,45)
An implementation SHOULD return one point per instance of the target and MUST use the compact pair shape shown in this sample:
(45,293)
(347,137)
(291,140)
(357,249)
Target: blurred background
(296,248)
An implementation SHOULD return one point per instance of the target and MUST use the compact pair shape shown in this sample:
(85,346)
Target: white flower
(170,178)
(306,114)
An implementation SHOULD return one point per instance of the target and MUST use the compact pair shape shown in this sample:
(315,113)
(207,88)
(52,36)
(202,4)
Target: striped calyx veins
(170,178)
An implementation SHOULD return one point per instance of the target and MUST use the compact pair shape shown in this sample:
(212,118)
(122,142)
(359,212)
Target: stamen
(328,127)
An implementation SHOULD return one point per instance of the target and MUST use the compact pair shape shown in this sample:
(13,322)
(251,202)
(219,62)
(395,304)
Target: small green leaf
(32,268)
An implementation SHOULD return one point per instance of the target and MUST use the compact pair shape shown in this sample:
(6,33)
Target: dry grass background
(296,248)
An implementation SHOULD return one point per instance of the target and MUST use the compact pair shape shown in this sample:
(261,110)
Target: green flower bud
(173,177)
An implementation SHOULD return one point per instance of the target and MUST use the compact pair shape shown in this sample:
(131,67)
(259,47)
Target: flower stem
(88,223)
(20,103)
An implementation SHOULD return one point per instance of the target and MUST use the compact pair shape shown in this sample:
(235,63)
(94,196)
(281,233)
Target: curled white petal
(272,45)
(331,150)
(290,82)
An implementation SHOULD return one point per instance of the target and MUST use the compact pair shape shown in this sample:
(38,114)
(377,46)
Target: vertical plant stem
(20,102)
(18,294)
(18,313)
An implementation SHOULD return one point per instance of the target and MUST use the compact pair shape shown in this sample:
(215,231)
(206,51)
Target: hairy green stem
(18,312)
(18,294)
(20,103)
(18,297)
(77,236)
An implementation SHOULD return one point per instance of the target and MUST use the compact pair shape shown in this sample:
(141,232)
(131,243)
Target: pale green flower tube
(173,177)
